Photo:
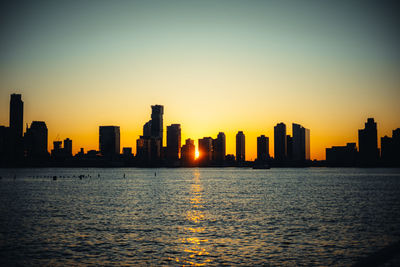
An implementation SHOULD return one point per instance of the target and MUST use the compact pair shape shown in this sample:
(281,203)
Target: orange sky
(215,66)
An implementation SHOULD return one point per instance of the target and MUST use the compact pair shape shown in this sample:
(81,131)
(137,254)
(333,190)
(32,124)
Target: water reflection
(194,245)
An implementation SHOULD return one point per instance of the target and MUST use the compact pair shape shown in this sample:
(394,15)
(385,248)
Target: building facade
(280,150)
(368,143)
(240,147)
(262,148)
(173,142)
(109,141)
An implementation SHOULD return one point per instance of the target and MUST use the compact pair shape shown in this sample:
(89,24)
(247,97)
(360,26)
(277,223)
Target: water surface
(199,216)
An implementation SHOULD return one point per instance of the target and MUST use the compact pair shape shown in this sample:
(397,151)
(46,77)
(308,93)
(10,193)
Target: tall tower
(301,142)
(262,148)
(280,146)
(219,148)
(157,112)
(240,147)
(368,142)
(36,140)
(173,141)
(109,140)
(16,115)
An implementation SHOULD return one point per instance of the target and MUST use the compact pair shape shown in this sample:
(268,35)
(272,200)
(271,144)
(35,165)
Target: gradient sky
(214,65)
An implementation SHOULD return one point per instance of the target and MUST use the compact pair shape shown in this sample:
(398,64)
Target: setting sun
(197,154)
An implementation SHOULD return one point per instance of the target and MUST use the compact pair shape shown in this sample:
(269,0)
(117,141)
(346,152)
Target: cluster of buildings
(291,149)
(368,153)
(31,148)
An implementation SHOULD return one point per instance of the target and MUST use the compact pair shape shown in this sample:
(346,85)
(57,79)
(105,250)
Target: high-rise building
(280,148)
(368,143)
(219,148)
(157,112)
(188,152)
(262,148)
(16,115)
(36,140)
(147,129)
(390,148)
(205,150)
(5,148)
(68,146)
(143,149)
(173,141)
(109,141)
(301,142)
(240,147)
(289,147)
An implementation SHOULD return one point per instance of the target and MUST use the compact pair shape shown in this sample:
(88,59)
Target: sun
(196,154)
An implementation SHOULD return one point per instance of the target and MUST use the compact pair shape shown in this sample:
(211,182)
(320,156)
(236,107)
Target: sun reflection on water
(193,245)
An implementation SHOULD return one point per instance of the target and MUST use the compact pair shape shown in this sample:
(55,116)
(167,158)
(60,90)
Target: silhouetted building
(219,148)
(127,156)
(147,129)
(230,160)
(342,155)
(57,146)
(4,145)
(262,148)
(240,147)
(390,148)
(15,144)
(68,147)
(205,150)
(368,143)
(280,150)
(16,115)
(301,143)
(173,142)
(188,152)
(143,149)
(127,151)
(289,147)
(109,141)
(157,112)
(36,140)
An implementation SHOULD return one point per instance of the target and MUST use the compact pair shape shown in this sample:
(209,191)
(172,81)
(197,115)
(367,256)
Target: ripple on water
(197,216)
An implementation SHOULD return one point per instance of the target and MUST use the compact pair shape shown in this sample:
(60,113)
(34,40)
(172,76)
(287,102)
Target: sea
(197,216)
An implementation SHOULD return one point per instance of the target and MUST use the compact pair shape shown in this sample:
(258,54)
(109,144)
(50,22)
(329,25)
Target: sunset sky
(214,65)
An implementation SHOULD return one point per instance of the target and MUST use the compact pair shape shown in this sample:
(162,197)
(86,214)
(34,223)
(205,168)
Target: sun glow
(197,154)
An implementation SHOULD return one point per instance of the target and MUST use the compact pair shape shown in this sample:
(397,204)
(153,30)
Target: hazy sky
(214,65)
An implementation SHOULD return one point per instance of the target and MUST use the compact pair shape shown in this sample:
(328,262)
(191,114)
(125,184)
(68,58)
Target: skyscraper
(173,141)
(143,150)
(219,148)
(36,140)
(16,115)
(205,150)
(262,148)
(301,142)
(280,149)
(147,129)
(109,141)
(368,143)
(240,147)
(68,146)
(157,112)
(188,152)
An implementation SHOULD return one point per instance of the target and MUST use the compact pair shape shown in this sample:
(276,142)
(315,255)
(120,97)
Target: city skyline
(216,67)
(31,147)
(162,133)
